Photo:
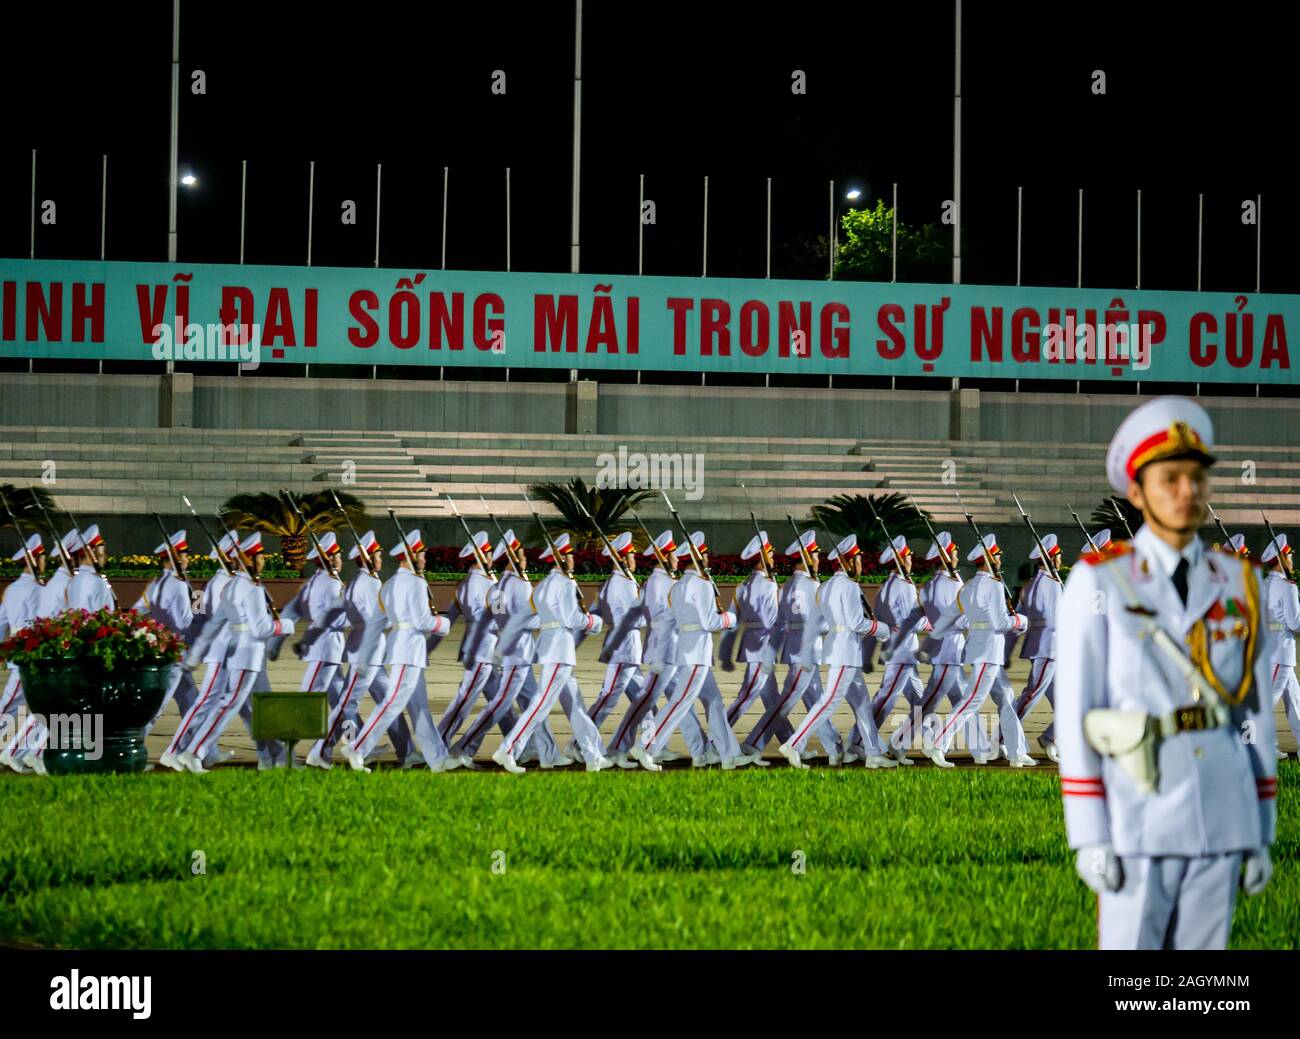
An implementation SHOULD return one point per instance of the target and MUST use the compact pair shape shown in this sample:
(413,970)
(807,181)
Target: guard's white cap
(369,540)
(226,544)
(897,546)
(1237,544)
(484,545)
(944,544)
(665,543)
(73,541)
(1050,546)
(329,544)
(751,549)
(1271,551)
(1101,539)
(412,538)
(697,539)
(622,545)
(177,542)
(252,544)
(91,536)
(33,545)
(977,553)
(846,549)
(561,542)
(809,540)
(1166,427)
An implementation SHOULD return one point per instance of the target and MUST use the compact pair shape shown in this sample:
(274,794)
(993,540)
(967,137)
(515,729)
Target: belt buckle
(1192,718)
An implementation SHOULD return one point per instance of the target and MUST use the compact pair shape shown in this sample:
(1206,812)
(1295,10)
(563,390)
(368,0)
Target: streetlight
(850,196)
(189,180)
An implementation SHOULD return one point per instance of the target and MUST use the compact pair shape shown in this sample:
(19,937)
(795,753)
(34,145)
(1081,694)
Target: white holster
(1130,737)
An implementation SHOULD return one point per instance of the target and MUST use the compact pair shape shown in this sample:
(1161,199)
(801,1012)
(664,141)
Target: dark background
(1194,103)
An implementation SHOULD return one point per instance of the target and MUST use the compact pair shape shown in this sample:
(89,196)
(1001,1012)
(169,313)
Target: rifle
(754,519)
(27,553)
(1222,529)
(49,525)
(107,585)
(362,554)
(608,547)
(514,565)
(1048,561)
(239,558)
(704,572)
(943,554)
(1081,526)
(410,556)
(988,558)
(321,555)
(898,563)
(555,555)
(479,555)
(1123,516)
(216,547)
(1286,568)
(171,554)
(663,560)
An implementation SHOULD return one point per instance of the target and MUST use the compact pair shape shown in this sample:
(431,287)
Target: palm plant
(851,514)
(609,507)
(271,514)
(1118,514)
(26,504)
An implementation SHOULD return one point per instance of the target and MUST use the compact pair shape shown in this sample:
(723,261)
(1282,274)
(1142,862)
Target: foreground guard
(1164,719)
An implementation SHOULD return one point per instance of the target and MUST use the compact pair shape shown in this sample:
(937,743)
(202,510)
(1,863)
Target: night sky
(671,90)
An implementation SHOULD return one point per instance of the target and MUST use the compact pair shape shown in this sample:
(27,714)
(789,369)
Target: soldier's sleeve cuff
(1086,819)
(1266,788)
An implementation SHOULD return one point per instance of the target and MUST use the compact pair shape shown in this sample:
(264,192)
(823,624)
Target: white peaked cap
(1270,552)
(622,543)
(944,544)
(1165,427)
(561,543)
(73,542)
(329,544)
(1101,539)
(412,538)
(482,540)
(809,541)
(226,544)
(751,549)
(697,539)
(252,544)
(508,540)
(664,542)
(177,542)
(1237,543)
(1050,546)
(990,542)
(32,545)
(897,546)
(846,549)
(91,535)
(369,540)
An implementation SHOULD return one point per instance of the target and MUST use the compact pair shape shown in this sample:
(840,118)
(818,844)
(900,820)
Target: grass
(910,859)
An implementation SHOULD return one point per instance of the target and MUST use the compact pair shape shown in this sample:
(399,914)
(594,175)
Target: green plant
(109,637)
(26,504)
(271,514)
(1115,513)
(851,514)
(866,246)
(606,505)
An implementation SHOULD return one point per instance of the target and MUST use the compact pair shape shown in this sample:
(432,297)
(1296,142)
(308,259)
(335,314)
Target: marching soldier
(17,611)
(326,616)
(1166,733)
(799,634)
(88,590)
(983,600)
(1039,602)
(696,617)
(757,608)
(404,599)
(621,652)
(839,605)
(1236,545)
(899,606)
(558,618)
(651,611)
(167,600)
(479,641)
(245,610)
(517,684)
(1283,626)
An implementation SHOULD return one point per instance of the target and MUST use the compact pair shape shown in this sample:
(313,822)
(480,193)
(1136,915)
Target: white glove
(922,656)
(1257,871)
(497,659)
(1099,868)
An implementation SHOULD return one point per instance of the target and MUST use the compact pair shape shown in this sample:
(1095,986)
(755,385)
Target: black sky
(1195,102)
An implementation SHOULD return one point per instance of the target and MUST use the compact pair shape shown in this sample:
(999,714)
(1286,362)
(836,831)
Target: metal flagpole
(1139,236)
(507,219)
(1080,284)
(830,241)
(445,171)
(33,249)
(640,228)
(1200,221)
(379,171)
(893,238)
(577,131)
(1259,223)
(176,104)
(1020,223)
(243,195)
(103,209)
(769,227)
(311,197)
(956,148)
(705,271)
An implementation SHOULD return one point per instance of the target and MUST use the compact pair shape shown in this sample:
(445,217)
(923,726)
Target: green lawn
(912,859)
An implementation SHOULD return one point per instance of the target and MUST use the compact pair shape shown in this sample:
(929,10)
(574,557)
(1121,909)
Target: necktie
(1180,579)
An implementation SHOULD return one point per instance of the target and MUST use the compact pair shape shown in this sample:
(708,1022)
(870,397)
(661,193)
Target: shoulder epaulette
(1104,555)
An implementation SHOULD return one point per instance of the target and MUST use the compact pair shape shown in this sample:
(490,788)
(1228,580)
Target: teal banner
(344,315)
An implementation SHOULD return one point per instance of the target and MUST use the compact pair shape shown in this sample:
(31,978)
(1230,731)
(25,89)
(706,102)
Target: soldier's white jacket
(1216,786)
(616,597)
(88,591)
(1039,602)
(404,599)
(1283,619)
(210,639)
(167,600)
(897,607)
(367,625)
(983,599)
(696,616)
(472,602)
(947,640)
(757,608)
(244,608)
(651,610)
(556,617)
(839,601)
(327,615)
(18,607)
(799,621)
(510,598)
(53,598)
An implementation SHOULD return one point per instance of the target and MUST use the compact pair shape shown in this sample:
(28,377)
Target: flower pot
(111,709)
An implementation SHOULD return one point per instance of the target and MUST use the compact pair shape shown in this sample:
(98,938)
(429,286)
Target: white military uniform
(17,611)
(1165,846)
(621,652)
(326,616)
(983,599)
(559,620)
(167,600)
(651,611)
(799,634)
(404,599)
(1283,626)
(900,607)
(477,646)
(1039,602)
(516,683)
(757,608)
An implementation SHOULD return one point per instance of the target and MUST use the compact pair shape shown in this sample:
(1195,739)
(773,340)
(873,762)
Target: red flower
(101,632)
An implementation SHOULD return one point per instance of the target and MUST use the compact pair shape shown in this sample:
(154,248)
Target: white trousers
(987,679)
(802,682)
(946,680)
(1171,903)
(406,691)
(1042,682)
(692,682)
(1286,687)
(557,684)
(656,680)
(478,678)
(516,685)
(898,680)
(845,683)
(619,679)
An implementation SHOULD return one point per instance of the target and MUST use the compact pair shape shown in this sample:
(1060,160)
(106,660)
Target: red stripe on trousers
(784,700)
(957,713)
(193,712)
(536,707)
(604,696)
(224,709)
(388,702)
(741,702)
(673,706)
(491,709)
(1028,698)
(808,722)
(18,688)
(646,696)
(454,719)
(329,736)
(885,699)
